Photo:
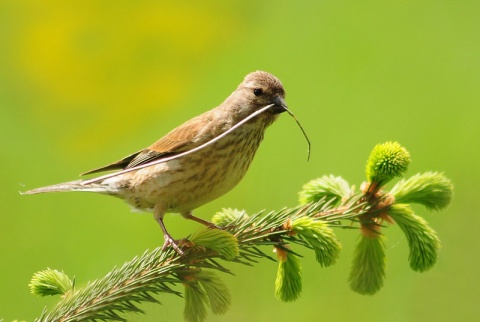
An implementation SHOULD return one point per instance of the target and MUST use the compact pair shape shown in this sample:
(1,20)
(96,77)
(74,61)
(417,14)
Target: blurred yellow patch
(118,61)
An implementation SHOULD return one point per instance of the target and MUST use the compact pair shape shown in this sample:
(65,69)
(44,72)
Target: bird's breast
(190,181)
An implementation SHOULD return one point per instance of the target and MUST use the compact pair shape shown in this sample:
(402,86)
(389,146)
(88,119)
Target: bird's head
(257,90)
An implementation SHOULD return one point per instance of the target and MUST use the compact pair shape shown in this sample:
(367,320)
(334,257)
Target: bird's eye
(257,91)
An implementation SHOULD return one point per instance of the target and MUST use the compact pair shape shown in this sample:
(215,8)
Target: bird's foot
(213,226)
(170,242)
(204,222)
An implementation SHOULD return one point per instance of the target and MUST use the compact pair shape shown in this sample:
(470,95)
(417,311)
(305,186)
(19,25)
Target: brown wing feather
(121,164)
(144,157)
(179,140)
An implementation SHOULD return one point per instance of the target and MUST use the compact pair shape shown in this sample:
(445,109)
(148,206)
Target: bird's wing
(120,164)
(181,139)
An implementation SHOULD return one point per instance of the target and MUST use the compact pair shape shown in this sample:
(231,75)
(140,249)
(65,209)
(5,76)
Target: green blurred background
(86,83)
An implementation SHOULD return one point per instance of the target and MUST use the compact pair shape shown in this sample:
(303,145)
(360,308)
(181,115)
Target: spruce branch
(325,204)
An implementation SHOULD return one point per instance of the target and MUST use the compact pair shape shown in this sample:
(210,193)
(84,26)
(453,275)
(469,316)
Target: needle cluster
(326,204)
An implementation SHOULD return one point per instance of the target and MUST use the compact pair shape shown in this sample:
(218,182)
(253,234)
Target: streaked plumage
(183,184)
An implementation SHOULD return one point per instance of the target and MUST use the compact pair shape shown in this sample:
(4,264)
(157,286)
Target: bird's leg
(188,215)
(158,214)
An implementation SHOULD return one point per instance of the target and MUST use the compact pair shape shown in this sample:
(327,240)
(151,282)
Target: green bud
(431,189)
(422,240)
(221,241)
(195,300)
(219,297)
(288,284)
(50,282)
(320,237)
(329,187)
(227,216)
(386,161)
(369,264)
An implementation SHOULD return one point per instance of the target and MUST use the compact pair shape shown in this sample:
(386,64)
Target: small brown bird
(198,161)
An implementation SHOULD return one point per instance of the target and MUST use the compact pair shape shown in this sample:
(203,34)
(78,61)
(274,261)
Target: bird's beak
(280,105)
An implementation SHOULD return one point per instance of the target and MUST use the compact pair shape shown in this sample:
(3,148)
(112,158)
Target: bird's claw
(213,226)
(169,241)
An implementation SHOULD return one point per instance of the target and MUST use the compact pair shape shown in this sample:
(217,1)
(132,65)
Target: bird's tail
(78,185)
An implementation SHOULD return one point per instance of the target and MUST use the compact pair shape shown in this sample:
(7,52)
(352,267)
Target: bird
(196,162)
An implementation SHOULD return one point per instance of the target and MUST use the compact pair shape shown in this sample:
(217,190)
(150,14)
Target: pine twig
(326,203)
(159,271)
